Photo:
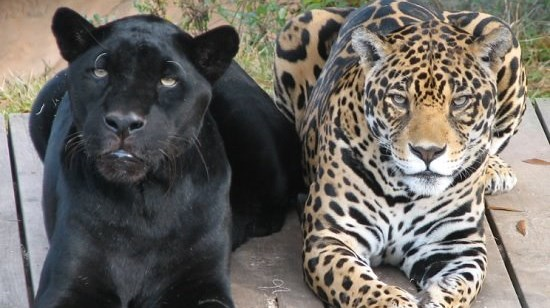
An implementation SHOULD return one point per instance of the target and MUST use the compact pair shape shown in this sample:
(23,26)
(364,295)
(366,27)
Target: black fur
(263,151)
(136,179)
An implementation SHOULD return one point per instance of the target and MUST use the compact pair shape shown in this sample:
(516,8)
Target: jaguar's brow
(177,64)
(99,57)
(402,85)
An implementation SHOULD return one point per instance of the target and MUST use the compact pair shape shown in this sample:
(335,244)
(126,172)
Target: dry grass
(17,93)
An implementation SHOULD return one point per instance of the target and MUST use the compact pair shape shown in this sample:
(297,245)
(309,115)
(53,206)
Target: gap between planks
(13,290)
(542,108)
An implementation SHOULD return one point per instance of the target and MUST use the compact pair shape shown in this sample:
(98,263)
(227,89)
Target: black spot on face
(330,190)
(288,80)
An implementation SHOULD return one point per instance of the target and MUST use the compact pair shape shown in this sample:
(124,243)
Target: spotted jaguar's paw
(391,297)
(499,176)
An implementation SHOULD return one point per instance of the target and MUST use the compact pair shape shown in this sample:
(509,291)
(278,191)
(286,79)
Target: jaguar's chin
(427,183)
(121,167)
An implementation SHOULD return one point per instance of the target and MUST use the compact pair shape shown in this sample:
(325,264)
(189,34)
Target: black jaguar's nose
(124,123)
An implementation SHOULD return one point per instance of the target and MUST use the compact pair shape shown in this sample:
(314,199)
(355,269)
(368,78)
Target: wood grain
(542,108)
(13,291)
(28,170)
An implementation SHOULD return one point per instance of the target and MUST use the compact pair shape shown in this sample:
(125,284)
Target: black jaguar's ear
(72,33)
(214,50)
(369,46)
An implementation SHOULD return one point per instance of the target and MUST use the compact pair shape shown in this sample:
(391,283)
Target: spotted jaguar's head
(139,89)
(430,96)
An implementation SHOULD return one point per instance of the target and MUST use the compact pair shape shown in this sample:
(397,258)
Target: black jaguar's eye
(99,66)
(168,81)
(461,101)
(100,73)
(398,100)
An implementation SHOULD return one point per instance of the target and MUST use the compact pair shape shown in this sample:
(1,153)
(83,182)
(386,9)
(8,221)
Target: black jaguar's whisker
(196,139)
(196,143)
(170,164)
(176,137)
(75,144)
(171,148)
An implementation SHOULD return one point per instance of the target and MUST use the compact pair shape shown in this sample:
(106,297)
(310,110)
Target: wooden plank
(529,254)
(542,107)
(497,290)
(266,272)
(28,170)
(13,287)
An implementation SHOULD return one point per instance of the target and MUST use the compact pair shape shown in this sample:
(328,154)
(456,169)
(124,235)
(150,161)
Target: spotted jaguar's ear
(493,46)
(214,50)
(369,46)
(72,33)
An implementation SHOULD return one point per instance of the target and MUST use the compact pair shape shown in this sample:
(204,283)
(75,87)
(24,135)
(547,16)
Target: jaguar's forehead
(429,54)
(431,44)
(143,43)
(147,25)
(435,34)
(142,31)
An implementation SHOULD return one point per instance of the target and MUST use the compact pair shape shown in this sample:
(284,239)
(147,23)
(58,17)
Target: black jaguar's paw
(246,226)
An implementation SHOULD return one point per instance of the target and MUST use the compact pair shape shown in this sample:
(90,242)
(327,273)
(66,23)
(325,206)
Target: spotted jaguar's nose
(427,154)
(124,123)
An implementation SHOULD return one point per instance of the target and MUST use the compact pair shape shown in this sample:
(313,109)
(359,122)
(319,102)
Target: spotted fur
(401,110)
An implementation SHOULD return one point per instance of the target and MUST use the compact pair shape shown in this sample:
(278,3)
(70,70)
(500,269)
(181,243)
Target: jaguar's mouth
(427,175)
(121,166)
(122,154)
(427,183)
(121,157)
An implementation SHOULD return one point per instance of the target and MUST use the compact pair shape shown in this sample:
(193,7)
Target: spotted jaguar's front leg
(499,176)
(340,278)
(450,273)
(333,267)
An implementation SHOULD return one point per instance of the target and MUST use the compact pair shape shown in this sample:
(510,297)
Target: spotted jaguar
(402,110)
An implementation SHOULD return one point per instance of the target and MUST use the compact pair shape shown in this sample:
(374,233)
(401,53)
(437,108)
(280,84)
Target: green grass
(259,21)
(536,58)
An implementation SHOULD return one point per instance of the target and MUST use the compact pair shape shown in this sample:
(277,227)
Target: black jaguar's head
(139,88)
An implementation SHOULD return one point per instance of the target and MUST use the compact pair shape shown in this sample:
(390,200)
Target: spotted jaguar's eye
(100,72)
(398,100)
(461,101)
(168,81)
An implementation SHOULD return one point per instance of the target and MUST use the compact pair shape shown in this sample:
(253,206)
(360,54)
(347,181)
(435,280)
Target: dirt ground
(27,45)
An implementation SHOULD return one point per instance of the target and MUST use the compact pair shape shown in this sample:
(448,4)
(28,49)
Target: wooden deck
(266,271)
